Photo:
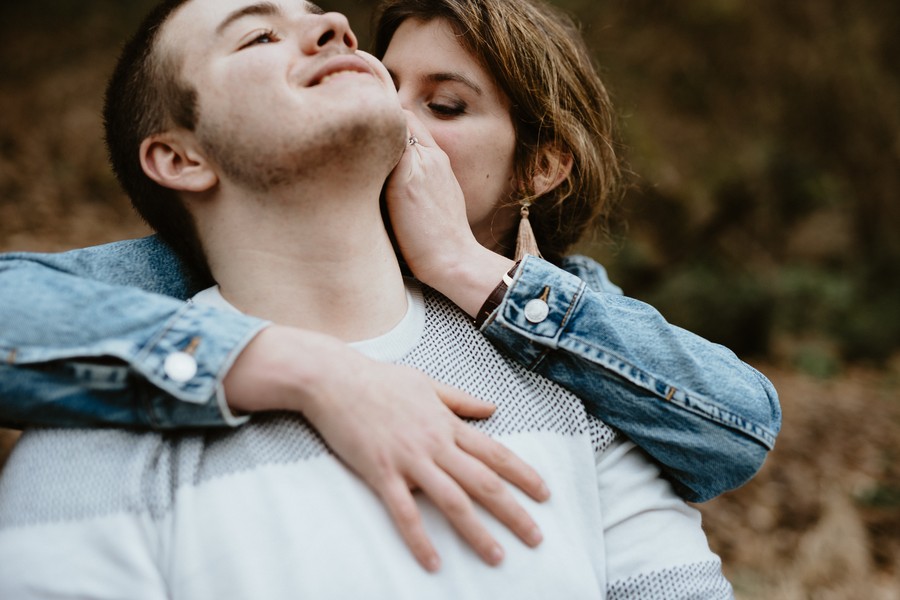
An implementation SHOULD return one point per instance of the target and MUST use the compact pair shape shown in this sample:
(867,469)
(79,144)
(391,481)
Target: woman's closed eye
(447,110)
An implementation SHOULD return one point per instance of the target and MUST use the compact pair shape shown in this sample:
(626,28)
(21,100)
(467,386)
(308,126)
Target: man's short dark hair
(145,96)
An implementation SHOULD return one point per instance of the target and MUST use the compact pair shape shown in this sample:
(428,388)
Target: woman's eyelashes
(447,110)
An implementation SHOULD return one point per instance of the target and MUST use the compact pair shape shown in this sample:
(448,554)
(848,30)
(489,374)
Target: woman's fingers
(406,516)
(503,461)
(418,130)
(393,427)
(491,492)
(462,404)
(452,500)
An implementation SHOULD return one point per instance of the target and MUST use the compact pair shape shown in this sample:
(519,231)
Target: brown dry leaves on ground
(822,518)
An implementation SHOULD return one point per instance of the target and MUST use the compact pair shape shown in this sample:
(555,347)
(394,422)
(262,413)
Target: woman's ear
(172,160)
(552,166)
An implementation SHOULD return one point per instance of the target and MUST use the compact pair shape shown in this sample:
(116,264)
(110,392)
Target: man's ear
(172,160)
(552,166)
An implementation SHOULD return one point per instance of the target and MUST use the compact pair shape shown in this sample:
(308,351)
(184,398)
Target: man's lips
(340,64)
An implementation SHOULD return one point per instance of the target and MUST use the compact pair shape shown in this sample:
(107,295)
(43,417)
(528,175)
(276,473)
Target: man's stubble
(332,149)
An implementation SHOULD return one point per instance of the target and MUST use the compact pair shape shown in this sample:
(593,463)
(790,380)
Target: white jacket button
(536,310)
(180,367)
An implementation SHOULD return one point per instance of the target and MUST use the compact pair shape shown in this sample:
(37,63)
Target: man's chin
(383,129)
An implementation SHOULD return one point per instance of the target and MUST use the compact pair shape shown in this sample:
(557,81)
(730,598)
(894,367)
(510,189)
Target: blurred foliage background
(763,212)
(764,142)
(763,138)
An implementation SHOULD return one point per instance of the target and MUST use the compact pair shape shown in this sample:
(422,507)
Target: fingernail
(495,555)
(544,491)
(433,564)
(535,536)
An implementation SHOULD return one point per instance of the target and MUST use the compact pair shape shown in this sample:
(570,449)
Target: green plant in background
(764,137)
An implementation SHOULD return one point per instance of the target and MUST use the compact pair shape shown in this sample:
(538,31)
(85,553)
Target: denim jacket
(707,417)
(86,334)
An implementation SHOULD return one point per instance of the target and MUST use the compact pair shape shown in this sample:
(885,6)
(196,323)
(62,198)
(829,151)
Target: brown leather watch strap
(496,297)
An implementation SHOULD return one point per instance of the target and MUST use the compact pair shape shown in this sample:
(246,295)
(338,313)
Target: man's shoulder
(63,475)
(70,475)
(146,263)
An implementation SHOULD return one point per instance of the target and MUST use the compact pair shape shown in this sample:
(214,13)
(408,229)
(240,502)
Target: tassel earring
(525,242)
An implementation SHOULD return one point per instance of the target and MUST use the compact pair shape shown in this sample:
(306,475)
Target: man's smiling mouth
(339,66)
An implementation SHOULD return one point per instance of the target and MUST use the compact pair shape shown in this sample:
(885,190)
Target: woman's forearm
(707,417)
(80,347)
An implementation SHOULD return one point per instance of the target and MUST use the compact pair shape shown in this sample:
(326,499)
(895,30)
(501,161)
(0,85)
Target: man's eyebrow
(314,8)
(263,9)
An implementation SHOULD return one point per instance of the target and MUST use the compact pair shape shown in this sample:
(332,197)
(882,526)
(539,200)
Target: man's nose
(329,29)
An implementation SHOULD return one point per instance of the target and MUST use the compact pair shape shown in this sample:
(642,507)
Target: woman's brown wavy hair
(537,56)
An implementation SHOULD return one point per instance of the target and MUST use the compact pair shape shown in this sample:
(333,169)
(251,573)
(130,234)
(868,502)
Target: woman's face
(466,113)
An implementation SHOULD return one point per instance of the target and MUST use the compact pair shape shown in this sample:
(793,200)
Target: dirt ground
(822,518)
(821,521)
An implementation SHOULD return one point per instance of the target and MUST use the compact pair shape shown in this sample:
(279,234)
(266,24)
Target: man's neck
(324,263)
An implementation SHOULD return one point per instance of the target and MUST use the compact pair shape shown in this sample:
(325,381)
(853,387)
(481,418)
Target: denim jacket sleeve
(708,418)
(88,338)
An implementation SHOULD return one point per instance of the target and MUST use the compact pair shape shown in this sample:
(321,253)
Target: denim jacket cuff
(537,307)
(189,364)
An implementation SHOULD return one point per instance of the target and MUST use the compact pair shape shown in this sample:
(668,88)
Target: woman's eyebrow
(457,77)
(444,77)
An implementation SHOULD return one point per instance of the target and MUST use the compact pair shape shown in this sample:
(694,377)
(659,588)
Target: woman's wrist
(468,279)
(282,368)
(495,299)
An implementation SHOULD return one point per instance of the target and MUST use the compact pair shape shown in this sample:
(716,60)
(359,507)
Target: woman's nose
(404,95)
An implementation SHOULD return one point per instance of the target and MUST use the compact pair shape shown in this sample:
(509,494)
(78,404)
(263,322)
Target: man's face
(281,89)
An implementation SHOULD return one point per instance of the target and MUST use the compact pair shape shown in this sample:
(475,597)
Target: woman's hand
(427,207)
(428,215)
(396,428)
